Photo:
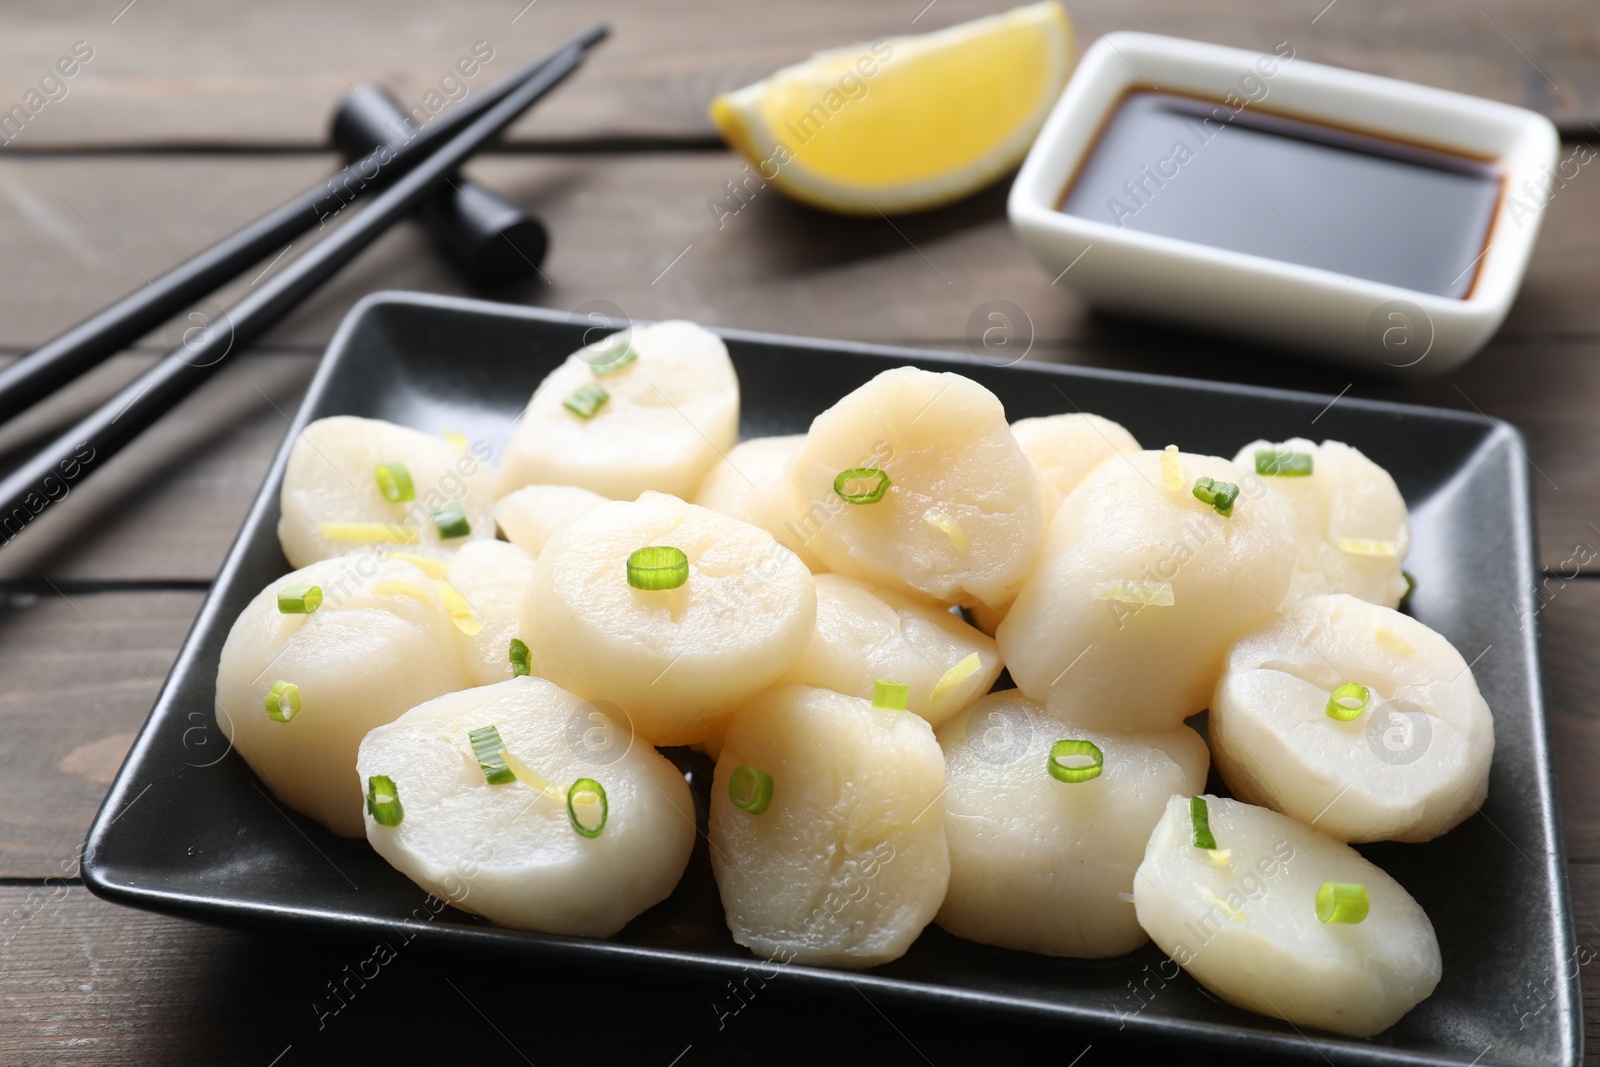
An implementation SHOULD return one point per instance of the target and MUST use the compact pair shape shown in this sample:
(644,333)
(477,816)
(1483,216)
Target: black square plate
(1495,887)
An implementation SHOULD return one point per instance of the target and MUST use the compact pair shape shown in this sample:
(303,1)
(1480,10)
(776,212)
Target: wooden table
(192,117)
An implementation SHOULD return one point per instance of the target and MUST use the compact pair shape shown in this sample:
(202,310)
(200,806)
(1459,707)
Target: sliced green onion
(299,599)
(1342,902)
(383,801)
(1079,773)
(750,789)
(1200,816)
(520,664)
(451,521)
(586,400)
(658,567)
(889,695)
(616,354)
(283,701)
(1411,587)
(486,745)
(394,482)
(1219,495)
(871,496)
(1275,464)
(1348,701)
(585,788)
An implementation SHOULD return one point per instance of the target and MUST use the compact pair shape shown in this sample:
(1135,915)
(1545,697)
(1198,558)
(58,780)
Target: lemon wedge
(907,123)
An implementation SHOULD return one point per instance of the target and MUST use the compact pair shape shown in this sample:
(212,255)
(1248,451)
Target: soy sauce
(1300,192)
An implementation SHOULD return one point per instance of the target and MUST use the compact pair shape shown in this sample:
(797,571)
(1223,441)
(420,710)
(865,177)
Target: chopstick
(50,475)
(101,336)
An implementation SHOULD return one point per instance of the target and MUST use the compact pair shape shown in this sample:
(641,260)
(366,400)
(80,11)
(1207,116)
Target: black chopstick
(50,475)
(101,336)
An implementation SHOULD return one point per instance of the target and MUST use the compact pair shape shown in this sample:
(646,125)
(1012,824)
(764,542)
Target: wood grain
(79,673)
(635,230)
(639,230)
(84,981)
(95,599)
(87,982)
(191,72)
(168,506)
(617,223)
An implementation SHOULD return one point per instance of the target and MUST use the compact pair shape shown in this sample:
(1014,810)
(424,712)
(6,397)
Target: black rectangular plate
(187,830)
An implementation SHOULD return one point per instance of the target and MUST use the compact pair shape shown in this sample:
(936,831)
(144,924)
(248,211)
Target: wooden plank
(658,234)
(87,982)
(1570,623)
(168,506)
(84,981)
(166,72)
(636,231)
(79,673)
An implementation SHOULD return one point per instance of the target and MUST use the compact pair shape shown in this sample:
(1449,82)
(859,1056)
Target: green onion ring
(451,521)
(1220,495)
(889,695)
(1275,464)
(1337,707)
(872,496)
(283,701)
(1200,816)
(658,567)
(750,789)
(394,482)
(616,354)
(1342,902)
(486,746)
(588,785)
(383,801)
(1075,747)
(586,400)
(520,664)
(299,599)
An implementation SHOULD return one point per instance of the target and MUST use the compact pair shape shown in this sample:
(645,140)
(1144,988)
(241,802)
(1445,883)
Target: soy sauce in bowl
(1291,190)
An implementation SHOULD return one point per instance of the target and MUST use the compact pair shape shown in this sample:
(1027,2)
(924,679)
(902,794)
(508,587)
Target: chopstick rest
(488,238)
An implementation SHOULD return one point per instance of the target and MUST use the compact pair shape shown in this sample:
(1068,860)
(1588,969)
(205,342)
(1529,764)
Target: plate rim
(1222,1036)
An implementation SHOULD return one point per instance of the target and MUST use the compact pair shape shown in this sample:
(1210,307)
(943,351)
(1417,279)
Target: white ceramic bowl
(1377,326)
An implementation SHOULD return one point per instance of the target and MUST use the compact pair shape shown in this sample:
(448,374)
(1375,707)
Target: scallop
(1410,762)
(517,852)
(490,580)
(652,408)
(1046,865)
(1065,448)
(846,862)
(865,634)
(914,482)
(752,483)
(379,643)
(530,516)
(353,485)
(1243,919)
(1351,528)
(679,660)
(1142,587)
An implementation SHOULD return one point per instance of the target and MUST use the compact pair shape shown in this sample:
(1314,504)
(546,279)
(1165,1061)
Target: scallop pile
(478,656)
